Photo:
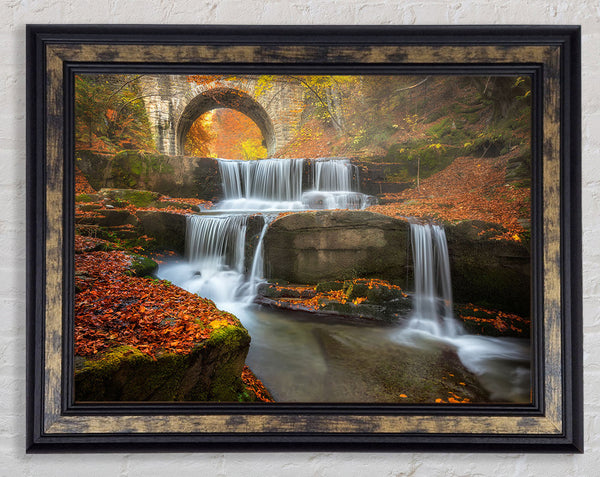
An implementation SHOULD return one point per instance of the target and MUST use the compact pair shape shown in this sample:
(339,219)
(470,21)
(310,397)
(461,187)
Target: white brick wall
(14,14)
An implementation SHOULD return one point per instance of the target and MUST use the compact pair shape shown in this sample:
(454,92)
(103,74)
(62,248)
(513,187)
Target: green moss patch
(210,372)
(142,266)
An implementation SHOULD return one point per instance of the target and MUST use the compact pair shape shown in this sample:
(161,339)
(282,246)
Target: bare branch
(413,86)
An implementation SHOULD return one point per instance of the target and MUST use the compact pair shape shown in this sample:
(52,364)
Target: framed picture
(292,238)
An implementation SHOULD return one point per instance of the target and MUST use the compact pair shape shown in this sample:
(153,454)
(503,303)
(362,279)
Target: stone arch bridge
(174,103)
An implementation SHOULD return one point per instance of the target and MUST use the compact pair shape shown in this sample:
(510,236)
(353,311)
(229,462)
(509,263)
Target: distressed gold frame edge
(56,424)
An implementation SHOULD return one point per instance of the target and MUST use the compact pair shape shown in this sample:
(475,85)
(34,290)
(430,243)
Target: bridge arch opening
(226,98)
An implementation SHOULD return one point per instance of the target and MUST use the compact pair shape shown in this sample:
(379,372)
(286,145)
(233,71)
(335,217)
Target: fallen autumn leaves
(468,189)
(114,308)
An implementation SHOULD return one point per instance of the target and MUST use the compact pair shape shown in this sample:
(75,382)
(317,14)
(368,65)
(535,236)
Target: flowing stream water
(501,364)
(304,358)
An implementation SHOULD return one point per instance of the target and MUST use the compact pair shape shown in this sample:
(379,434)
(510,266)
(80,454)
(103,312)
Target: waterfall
(231,179)
(276,185)
(332,175)
(433,288)
(257,271)
(333,186)
(216,241)
(217,267)
(500,364)
(268,179)
(215,248)
(215,252)
(268,184)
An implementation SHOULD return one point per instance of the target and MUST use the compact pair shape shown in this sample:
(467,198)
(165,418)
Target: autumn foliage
(113,308)
(480,320)
(255,385)
(468,189)
(314,298)
(225,133)
(197,141)
(82,186)
(110,114)
(368,118)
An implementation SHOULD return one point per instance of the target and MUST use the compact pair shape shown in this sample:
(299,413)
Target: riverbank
(140,339)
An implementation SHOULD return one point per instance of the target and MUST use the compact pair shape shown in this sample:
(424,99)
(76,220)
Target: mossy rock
(378,293)
(142,266)
(226,382)
(269,291)
(348,309)
(166,228)
(110,218)
(88,207)
(129,169)
(175,176)
(488,329)
(478,321)
(178,205)
(211,371)
(488,272)
(127,374)
(86,197)
(324,287)
(138,198)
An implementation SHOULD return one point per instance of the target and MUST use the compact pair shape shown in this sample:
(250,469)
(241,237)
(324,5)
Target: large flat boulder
(210,372)
(312,247)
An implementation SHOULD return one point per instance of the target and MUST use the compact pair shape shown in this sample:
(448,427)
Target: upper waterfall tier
(291,184)
(268,179)
(334,175)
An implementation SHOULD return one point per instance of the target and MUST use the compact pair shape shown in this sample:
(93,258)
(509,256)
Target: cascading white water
(332,175)
(333,187)
(327,200)
(215,268)
(501,364)
(216,243)
(276,185)
(215,257)
(215,253)
(258,263)
(433,288)
(268,184)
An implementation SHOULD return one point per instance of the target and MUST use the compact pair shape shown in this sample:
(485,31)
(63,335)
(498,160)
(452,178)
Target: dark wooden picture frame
(549,54)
